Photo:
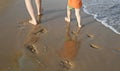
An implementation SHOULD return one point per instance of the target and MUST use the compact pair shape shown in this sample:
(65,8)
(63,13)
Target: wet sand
(55,45)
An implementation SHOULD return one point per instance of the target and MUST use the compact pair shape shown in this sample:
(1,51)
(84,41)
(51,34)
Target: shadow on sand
(38,57)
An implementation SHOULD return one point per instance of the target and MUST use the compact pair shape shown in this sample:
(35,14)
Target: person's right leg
(38,5)
(68,18)
(77,13)
(31,12)
(39,13)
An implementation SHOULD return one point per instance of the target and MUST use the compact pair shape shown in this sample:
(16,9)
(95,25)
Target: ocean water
(105,11)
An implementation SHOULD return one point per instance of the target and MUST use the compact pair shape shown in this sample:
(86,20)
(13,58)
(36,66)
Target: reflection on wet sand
(33,36)
(70,49)
(38,57)
(30,60)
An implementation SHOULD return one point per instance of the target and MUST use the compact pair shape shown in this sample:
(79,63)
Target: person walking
(31,10)
(76,4)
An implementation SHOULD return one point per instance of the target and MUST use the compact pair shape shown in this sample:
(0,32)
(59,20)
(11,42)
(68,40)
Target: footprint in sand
(66,65)
(32,49)
(33,38)
(40,31)
(90,35)
(94,46)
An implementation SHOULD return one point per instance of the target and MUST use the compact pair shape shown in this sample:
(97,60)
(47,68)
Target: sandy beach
(55,45)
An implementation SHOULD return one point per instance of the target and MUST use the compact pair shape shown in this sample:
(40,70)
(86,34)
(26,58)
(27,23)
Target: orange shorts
(75,3)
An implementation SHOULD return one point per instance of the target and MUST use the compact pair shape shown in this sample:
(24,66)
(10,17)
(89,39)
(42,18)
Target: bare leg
(31,12)
(68,15)
(77,13)
(38,5)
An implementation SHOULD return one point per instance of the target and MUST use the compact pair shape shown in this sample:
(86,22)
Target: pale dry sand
(46,48)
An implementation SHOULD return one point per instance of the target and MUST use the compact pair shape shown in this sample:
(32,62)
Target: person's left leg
(77,13)
(31,12)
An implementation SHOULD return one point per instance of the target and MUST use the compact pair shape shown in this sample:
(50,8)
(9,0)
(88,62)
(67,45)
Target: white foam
(102,21)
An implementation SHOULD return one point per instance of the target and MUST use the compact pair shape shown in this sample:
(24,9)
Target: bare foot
(67,20)
(79,26)
(32,22)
